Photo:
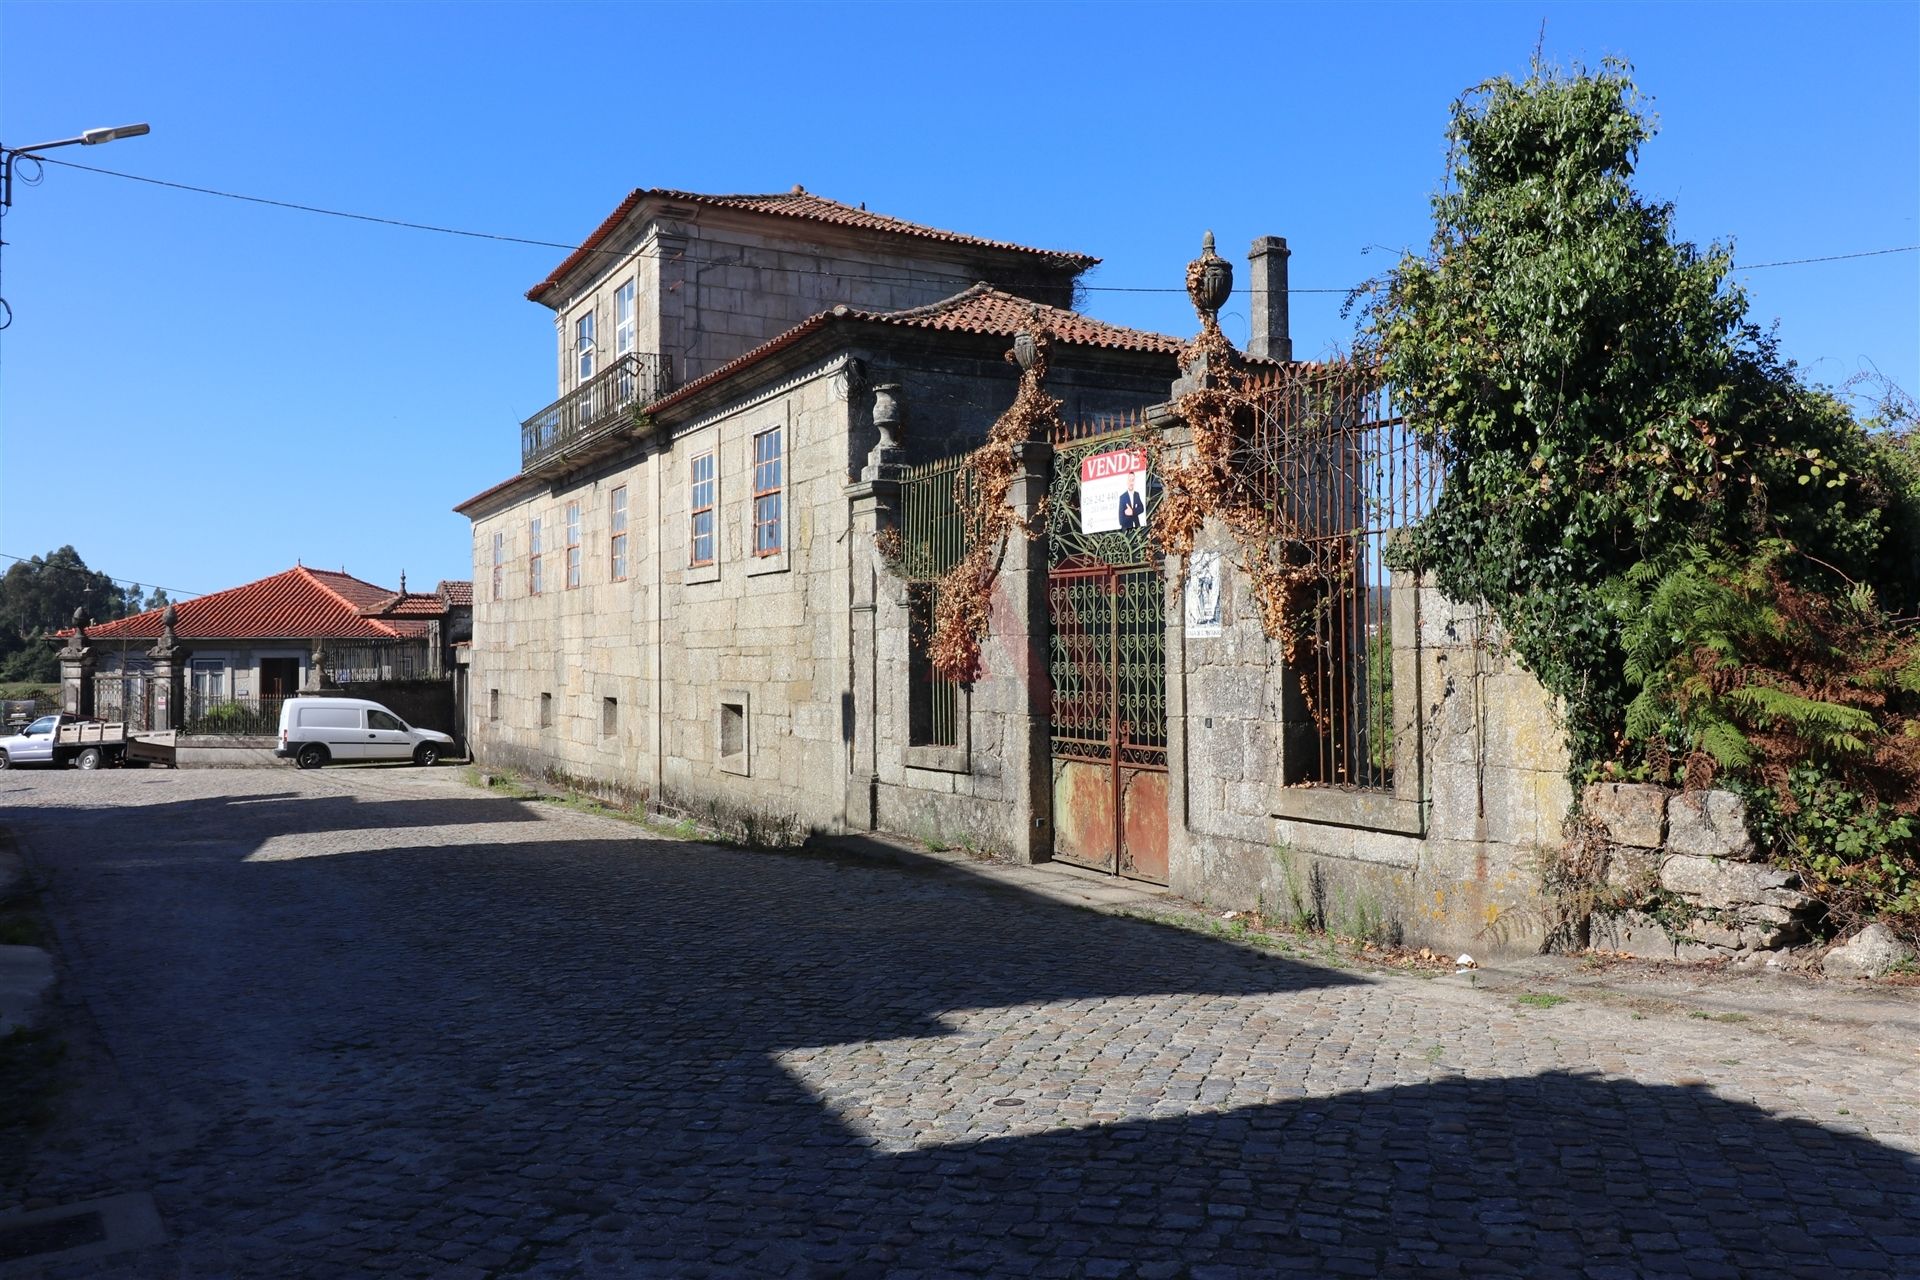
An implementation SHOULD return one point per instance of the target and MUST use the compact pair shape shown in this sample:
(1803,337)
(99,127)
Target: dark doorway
(279,677)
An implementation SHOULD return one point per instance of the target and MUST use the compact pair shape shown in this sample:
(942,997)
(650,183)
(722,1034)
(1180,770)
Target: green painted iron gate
(1106,599)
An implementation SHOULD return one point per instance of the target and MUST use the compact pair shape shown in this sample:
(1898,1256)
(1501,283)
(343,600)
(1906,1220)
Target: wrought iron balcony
(595,413)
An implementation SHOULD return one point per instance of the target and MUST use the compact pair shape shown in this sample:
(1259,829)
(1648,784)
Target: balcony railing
(595,410)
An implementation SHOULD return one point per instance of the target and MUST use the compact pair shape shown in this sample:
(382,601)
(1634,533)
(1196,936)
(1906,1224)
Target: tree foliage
(1703,557)
(1595,391)
(38,597)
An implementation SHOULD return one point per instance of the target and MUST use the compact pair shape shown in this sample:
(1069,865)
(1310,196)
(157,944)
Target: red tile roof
(300,604)
(797,203)
(413,604)
(984,309)
(457,592)
(980,309)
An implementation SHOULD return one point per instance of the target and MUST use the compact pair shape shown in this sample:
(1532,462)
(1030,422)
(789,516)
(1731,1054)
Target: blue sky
(197,392)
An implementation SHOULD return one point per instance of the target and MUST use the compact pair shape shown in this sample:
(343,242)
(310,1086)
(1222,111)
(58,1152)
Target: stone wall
(710,289)
(673,643)
(1449,855)
(1683,878)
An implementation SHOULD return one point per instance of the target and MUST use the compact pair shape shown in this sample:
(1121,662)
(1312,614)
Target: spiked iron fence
(1342,474)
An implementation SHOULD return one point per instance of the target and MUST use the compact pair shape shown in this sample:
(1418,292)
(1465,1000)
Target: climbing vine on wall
(964,597)
(1248,431)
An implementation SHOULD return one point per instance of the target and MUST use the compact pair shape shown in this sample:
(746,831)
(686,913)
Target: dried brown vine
(964,596)
(1236,474)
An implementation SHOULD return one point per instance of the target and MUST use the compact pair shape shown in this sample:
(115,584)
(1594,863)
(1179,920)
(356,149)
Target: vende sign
(1102,466)
(1113,491)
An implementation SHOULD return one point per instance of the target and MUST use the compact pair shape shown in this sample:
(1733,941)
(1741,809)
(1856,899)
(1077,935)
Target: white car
(34,744)
(318,731)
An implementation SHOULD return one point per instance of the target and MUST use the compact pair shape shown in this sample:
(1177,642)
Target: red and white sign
(1113,491)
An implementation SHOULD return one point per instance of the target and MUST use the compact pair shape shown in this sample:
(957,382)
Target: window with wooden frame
(700,494)
(533,557)
(623,319)
(767,470)
(573,545)
(583,348)
(617,538)
(499,565)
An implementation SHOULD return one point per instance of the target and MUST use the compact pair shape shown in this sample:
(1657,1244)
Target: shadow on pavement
(564,1057)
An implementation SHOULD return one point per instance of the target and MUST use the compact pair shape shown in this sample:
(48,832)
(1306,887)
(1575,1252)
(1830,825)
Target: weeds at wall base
(709,823)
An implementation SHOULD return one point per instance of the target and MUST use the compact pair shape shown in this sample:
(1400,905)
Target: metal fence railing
(932,541)
(602,403)
(224,717)
(1344,474)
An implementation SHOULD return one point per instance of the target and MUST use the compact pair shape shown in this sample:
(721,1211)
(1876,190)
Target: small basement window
(735,746)
(546,711)
(609,717)
(493,704)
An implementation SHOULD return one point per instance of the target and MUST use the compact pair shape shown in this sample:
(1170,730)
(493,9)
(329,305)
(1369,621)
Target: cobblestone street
(361,1022)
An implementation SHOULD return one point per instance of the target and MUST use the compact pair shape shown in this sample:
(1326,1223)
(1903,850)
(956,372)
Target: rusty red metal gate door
(1106,600)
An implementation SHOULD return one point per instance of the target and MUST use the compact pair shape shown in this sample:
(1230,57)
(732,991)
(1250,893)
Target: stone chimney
(1267,263)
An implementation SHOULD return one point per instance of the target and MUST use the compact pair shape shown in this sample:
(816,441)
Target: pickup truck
(62,739)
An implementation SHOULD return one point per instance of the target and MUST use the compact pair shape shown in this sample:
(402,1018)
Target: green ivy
(1594,391)
(1701,556)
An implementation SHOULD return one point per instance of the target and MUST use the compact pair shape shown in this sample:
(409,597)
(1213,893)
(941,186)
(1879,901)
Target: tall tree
(1594,389)
(37,598)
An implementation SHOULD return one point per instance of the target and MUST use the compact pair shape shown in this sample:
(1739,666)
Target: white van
(314,731)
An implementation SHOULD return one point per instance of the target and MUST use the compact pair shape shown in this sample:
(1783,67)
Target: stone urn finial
(79,641)
(167,648)
(889,413)
(1032,346)
(1209,283)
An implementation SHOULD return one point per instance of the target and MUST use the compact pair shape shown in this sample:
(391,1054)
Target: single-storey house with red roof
(259,641)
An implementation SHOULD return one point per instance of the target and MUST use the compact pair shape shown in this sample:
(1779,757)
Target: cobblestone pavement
(363,1022)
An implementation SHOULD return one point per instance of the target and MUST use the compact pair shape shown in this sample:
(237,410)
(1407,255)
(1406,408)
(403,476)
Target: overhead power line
(404,224)
(125,582)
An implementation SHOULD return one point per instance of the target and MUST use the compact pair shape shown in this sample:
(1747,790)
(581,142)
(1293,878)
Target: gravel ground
(373,1021)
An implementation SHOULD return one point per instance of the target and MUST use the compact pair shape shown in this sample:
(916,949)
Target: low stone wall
(207,751)
(1684,880)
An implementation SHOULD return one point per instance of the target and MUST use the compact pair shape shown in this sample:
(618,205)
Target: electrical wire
(125,582)
(628,255)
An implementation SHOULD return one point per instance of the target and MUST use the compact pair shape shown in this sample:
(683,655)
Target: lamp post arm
(91,138)
(8,155)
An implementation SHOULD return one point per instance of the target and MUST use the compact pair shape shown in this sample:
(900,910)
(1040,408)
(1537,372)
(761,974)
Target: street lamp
(91,138)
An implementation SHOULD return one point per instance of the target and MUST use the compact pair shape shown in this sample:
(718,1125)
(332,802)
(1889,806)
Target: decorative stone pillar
(169,676)
(76,670)
(1023,574)
(873,508)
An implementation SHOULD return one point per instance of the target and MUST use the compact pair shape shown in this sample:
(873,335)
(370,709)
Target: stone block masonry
(1695,889)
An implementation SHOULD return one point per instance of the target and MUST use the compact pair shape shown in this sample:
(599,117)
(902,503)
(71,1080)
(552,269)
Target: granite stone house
(671,600)
(708,585)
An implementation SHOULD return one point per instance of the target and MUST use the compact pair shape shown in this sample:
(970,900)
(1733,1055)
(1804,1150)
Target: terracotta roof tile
(457,592)
(797,204)
(981,309)
(413,604)
(986,310)
(302,603)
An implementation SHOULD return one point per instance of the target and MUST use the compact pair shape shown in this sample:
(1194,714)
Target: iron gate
(1106,598)
(125,697)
